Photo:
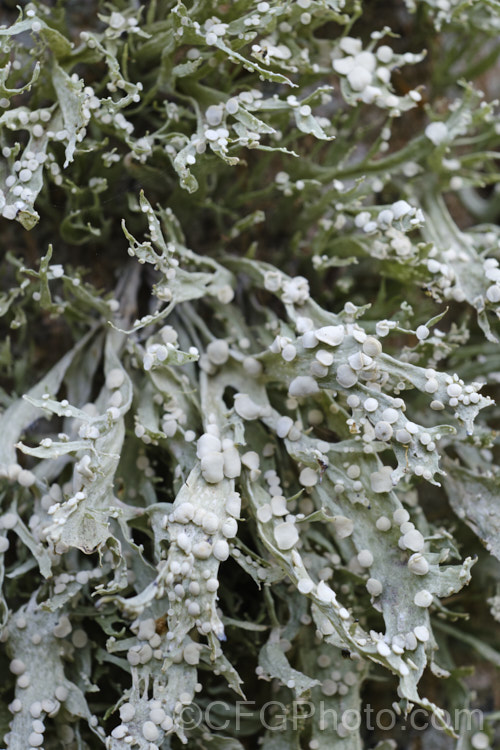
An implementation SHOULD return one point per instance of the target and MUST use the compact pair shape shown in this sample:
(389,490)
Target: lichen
(248,432)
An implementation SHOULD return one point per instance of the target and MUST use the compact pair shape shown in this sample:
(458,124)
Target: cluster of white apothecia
(200,535)
(52,124)
(283,523)
(343,352)
(150,727)
(235,121)
(288,541)
(356,361)
(389,227)
(47,125)
(368,73)
(60,502)
(23,184)
(452,276)
(200,527)
(293,290)
(38,636)
(120,23)
(492,277)
(218,458)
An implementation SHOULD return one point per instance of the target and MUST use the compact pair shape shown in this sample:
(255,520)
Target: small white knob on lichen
(418,564)
(331,335)
(381,480)
(374,586)
(303,385)
(286,535)
(365,558)
(414,540)
(423,598)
